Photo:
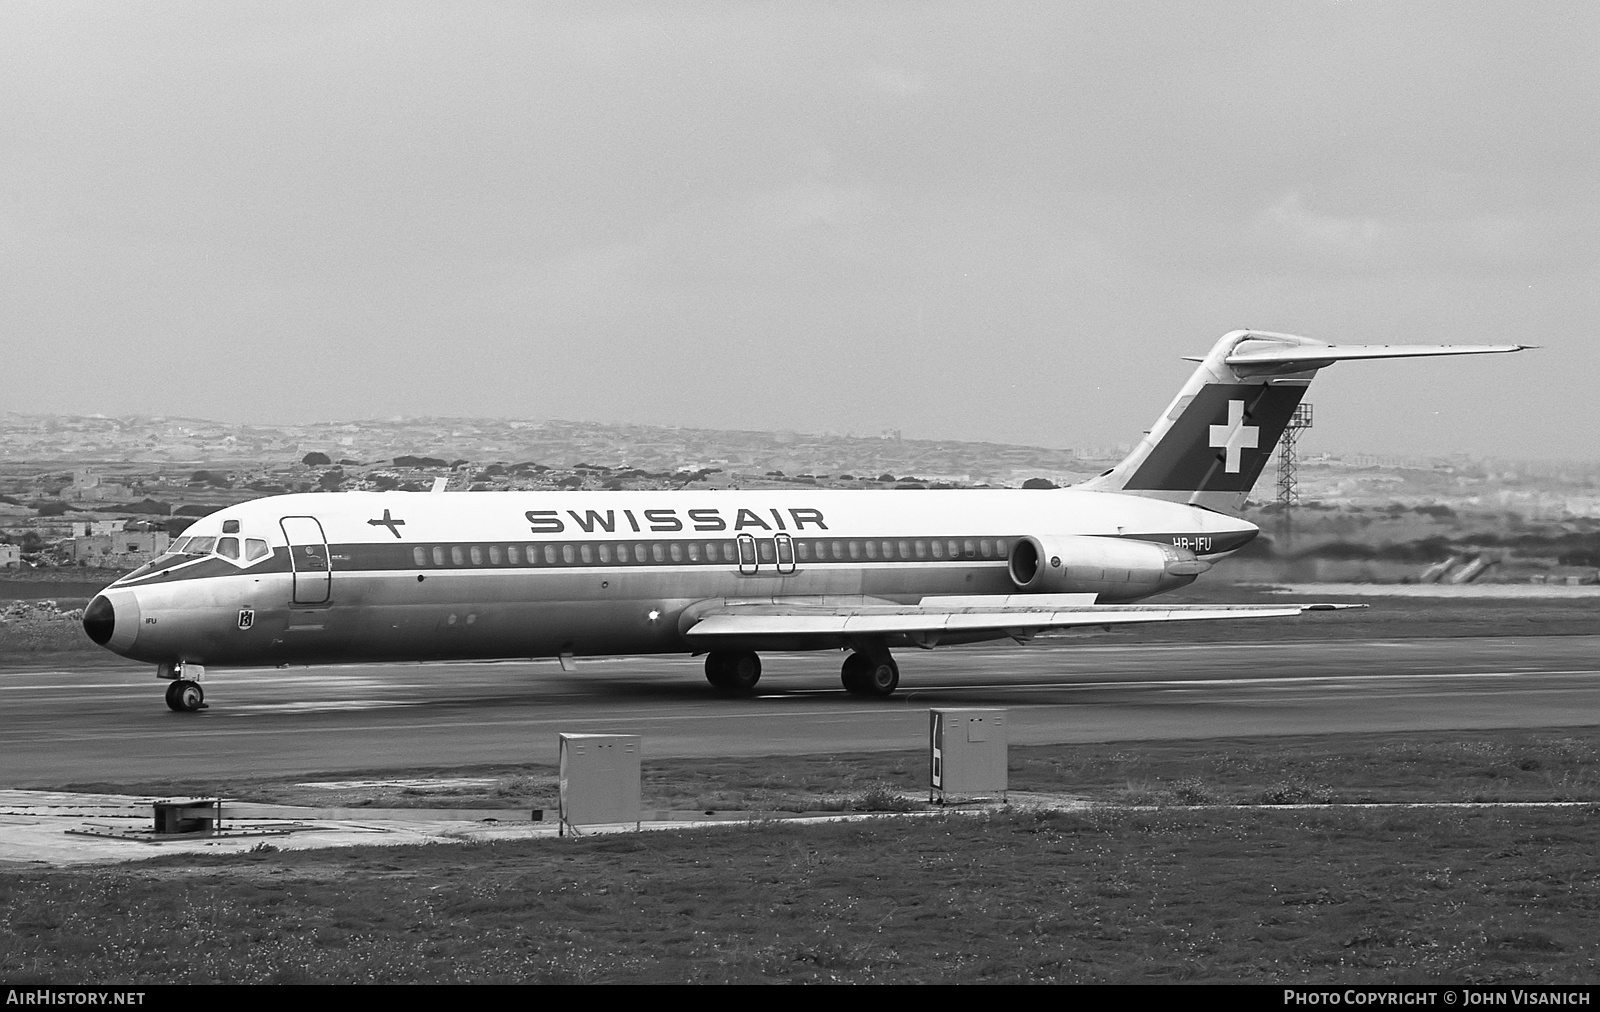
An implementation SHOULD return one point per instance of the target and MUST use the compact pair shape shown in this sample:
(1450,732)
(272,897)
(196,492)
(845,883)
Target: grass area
(1258,895)
(1503,765)
(1119,894)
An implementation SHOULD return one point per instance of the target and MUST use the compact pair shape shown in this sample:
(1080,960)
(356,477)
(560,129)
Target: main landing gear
(733,670)
(870,673)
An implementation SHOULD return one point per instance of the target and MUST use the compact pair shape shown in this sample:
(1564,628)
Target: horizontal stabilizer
(1316,356)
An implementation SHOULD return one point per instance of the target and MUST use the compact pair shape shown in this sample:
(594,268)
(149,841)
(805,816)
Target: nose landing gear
(184,695)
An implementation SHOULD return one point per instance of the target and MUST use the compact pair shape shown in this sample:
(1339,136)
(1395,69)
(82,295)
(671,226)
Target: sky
(989,221)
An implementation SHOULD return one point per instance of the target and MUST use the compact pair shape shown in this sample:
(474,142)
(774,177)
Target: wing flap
(1006,615)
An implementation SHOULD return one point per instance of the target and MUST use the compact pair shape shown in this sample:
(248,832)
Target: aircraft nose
(100,620)
(112,620)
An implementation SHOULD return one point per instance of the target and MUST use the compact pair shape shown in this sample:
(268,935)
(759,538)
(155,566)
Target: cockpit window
(230,527)
(242,551)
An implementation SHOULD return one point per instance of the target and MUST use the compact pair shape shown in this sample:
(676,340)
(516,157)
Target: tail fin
(1212,442)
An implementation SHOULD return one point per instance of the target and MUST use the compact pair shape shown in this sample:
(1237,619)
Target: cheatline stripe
(641,554)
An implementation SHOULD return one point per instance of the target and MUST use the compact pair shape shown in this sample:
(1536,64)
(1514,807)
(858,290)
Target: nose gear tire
(184,696)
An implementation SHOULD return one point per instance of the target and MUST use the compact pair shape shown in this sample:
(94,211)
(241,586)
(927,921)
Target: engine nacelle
(1117,569)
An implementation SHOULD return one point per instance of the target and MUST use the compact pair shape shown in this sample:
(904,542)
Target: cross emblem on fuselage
(395,525)
(1232,437)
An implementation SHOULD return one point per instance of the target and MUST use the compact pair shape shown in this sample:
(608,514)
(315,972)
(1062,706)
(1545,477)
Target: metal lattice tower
(1289,457)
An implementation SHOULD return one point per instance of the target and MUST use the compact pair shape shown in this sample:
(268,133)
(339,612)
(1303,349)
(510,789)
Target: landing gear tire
(864,675)
(733,670)
(185,696)
(854,674)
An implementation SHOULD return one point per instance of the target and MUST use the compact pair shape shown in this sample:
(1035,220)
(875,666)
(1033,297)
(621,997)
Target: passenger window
(587,553)
(888,549)
(922,549)
(938,549)
(638,553)
(495,557)
(677,552)
(457,556)
(438,555)
(1000,548)
(729,554)
(477,555)
(985,548)
(855,549)
(419,556)
(255,548)
(802,550)
(228,548)
(658,552)
(764,548)
(694,551)
(872,549)
(838,549)
(513,555)
(905,549)
(972,550)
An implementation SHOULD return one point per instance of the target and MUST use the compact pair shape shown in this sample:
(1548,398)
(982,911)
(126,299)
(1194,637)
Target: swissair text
(667,521)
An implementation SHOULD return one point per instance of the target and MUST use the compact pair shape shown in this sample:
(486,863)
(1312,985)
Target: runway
(109,724)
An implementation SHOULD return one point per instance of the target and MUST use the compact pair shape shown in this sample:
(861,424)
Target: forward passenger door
(309,557)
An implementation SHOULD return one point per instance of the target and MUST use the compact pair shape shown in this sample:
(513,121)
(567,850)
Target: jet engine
(1114,568)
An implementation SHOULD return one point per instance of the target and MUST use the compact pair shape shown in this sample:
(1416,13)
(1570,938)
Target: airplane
(342,577)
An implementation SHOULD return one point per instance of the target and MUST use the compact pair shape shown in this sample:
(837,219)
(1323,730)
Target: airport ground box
(967,752)
(600,779)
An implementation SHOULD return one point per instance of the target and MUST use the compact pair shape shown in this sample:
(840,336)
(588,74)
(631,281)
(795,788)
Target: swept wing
(810,622)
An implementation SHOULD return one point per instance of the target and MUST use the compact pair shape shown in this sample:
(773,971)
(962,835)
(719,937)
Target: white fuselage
(410,576)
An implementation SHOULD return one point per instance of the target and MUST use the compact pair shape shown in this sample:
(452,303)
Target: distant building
(10,556)
(90,487)
(93,528)
(123,550)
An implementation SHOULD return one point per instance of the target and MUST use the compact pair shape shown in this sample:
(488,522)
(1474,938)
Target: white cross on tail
(1235,436)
